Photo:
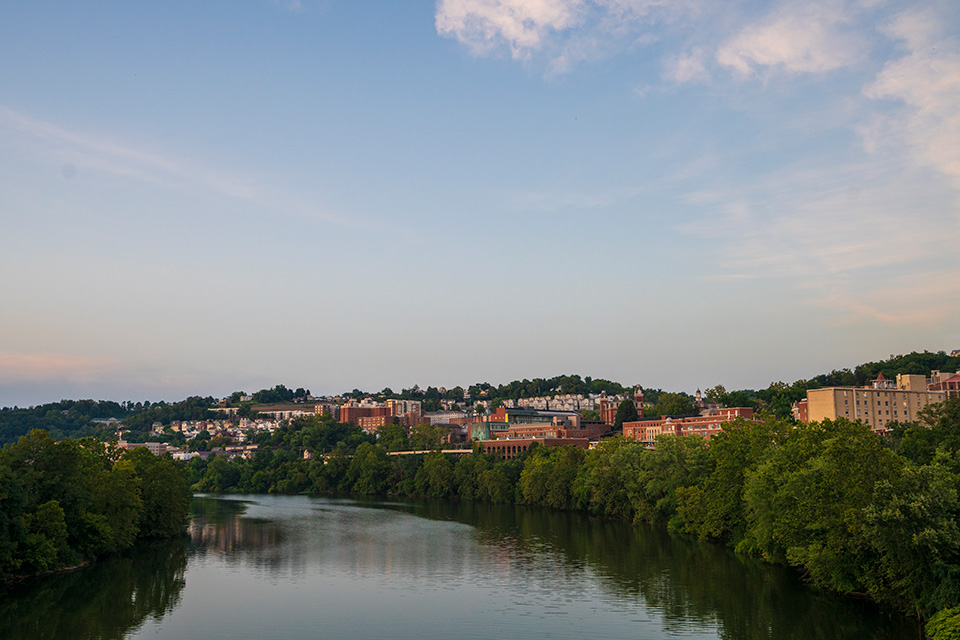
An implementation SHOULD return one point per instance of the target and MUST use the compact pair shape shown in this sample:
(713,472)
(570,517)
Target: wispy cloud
(844,238)
(293,6)
(563,31)
(686,67)
(19,367)
(923,300)
(101,153)
(548,201)
(926,80)
(797,37)
(79,151)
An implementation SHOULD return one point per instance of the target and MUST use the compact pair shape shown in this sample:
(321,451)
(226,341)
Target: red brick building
(591,431)
(950,386)
(509,448)
(370,416)
(352,414)
(705,426)
(801,411)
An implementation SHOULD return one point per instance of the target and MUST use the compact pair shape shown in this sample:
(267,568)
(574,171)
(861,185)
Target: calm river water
(283,567)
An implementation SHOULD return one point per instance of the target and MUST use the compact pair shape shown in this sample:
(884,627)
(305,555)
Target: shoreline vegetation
(64,504)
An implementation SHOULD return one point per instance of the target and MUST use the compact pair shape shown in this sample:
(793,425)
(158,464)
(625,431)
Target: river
(283,567)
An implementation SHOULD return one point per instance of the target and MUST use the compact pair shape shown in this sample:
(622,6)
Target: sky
(199,198)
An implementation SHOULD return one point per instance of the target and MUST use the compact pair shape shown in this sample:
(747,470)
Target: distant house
(156,448)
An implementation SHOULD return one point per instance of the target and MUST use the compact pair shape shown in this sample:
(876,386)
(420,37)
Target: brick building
(883,402)
(509,448)
(705,426)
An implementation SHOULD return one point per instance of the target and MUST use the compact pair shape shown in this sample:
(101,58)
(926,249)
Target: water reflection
(106,601)
(689,583)
(430,569)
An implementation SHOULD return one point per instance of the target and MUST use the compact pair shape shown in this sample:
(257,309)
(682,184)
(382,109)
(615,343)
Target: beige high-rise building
(877,406)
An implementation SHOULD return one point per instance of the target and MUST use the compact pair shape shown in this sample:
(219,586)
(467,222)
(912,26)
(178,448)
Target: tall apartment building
(878,405)
(370,415)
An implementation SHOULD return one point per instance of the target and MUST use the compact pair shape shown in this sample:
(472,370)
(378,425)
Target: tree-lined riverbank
(855,511)
(70,502)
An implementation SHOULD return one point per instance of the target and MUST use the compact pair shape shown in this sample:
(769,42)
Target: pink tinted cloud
(52,366)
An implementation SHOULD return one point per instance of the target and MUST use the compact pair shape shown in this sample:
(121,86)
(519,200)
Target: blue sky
(198,198)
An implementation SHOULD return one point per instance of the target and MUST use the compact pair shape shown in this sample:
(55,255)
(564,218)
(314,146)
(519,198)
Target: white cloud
(688,67)
(809,37)
(927,81)
(564,30)
(522,25)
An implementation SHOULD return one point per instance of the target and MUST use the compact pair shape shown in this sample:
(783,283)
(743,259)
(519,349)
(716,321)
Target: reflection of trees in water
(240,535)
(220,527)
(106,601)
(685,580)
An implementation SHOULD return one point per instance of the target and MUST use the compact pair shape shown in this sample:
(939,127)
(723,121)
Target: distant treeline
(431,397)
(68,502)
(857,512)
(75,418)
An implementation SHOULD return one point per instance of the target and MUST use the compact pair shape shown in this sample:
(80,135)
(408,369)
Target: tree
(435,477)
(425,437)
(393,437)
(716,394)
(369,470)
(626,412)
(165,493)
(714,507)
(945,625)
(674,404)
(912,522)
(805,503)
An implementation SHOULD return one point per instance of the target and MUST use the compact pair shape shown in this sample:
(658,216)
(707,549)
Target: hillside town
(508,427)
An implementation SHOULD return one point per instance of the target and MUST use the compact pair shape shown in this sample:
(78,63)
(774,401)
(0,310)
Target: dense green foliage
(193,408)
(60,419)
(673,404)
(626,412)
(62,503)
(75,418)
